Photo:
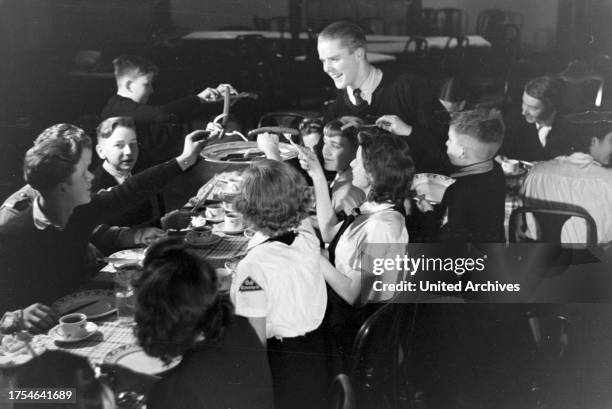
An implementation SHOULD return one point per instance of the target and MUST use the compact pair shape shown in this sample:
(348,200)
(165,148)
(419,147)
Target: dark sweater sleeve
(107,203)
(155,113)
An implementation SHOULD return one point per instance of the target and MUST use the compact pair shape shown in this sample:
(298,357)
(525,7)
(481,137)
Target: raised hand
(194,143)
(310,163)
(268,143)
(38,317)
(393,124)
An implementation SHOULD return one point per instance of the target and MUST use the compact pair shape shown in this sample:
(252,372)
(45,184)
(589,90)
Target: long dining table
(111,334)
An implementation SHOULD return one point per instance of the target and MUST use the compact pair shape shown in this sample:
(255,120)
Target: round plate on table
(95,304)
(431,185)
(135,358)
(22,353)
(58,336)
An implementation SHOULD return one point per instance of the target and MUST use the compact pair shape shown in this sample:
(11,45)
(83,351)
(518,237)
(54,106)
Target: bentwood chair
(341,393)
(550,222)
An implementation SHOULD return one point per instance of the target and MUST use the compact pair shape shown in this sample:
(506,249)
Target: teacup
(233,185)
(73,325)
(510,166)
(215,211)
(233,221)
(202,231)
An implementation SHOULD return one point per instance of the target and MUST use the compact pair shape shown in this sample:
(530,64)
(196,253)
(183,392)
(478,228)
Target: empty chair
(452,21)
(429,22)
(549,224)
(372,25)
(487,19)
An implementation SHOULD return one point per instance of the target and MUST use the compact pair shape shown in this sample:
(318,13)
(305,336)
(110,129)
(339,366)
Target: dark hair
(177,301)
(586,133)
(54,155)
(352,123)
(387,160)
(108,126)
(547,89)
(453,90)
(350,34)
(310,125)
(133,65)
(60,369)
(273,197)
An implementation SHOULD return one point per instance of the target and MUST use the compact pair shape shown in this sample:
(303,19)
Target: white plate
(105,306)
(58,336)
(431,185)
(39,345)
(221,228)
(136,359)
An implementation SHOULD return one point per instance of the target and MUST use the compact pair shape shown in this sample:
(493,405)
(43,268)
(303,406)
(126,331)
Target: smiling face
(77,187)
(140,88)
(342,65)
(337,153)
(601,150)
(120,149)
(534,110)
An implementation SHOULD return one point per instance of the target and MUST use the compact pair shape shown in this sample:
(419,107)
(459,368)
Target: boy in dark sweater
(118,148)
(134,76)
(43,249)
(474,205)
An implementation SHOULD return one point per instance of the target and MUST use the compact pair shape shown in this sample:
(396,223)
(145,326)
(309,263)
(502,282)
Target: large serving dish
(243,153)
(431,185)
(135,358)
(93,303)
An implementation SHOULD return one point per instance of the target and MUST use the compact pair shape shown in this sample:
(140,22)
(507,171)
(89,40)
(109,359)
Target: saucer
(57,335)
(221,228)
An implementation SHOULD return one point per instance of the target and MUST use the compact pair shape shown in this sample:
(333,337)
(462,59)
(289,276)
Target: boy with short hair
(475,202)
(134,76)
(118,148)
(43,251)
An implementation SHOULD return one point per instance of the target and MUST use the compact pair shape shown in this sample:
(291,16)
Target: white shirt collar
(257,239)
(41,221)
(119,177)
(373,207)
(368,87)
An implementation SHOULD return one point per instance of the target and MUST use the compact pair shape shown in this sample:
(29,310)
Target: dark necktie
(359,101)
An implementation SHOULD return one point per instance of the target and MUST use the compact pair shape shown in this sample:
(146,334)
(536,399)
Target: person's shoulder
(117,106)
(19,224)
(102,179)
(17,203)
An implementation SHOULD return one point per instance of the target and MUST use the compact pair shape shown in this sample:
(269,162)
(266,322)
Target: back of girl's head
(60,369)
(177,301)
(387,160)
(273,197)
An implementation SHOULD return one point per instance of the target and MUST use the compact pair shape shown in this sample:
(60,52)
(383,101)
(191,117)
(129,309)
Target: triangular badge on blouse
(249,285)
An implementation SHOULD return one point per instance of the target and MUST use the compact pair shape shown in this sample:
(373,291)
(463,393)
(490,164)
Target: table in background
(396,44)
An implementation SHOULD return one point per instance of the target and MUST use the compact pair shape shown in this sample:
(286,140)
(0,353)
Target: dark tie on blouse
(359,101)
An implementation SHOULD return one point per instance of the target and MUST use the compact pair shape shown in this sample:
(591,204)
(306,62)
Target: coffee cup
(233,221)
(214,211)
(202,231)
(510,166)
(233,185)
(73,325)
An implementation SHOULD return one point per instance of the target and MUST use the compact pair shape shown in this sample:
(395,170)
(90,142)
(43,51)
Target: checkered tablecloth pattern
(111,334)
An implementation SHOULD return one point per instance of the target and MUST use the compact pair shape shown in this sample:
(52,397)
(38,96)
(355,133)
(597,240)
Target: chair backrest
(550,223)
(519,73)
(341,393)
(452,21)
(430,24)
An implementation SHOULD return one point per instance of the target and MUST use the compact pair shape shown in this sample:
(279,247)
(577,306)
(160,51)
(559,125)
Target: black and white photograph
(304,204)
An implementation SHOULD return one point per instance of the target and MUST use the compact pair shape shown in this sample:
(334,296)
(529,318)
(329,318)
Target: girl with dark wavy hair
(179,313)
(383,169)
(279,286)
